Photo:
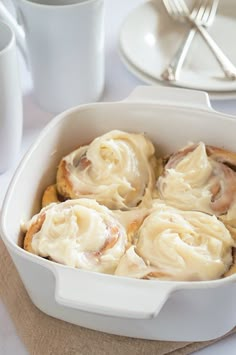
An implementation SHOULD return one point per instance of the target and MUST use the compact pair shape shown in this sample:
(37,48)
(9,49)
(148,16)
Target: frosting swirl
(117,169)
(192,180)
(79,233)
(178,245)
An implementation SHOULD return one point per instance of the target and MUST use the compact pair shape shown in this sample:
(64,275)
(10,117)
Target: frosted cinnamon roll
(117,169)
(178,245)
(200,177)
(79,233)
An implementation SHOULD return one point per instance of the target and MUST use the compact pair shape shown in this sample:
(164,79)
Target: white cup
(63,41)
(11,112)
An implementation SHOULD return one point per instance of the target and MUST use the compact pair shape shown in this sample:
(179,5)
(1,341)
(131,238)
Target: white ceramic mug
(64,42)
(11,113)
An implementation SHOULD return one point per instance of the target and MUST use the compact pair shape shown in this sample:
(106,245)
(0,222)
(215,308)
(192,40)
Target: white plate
(145,78)
(149,38)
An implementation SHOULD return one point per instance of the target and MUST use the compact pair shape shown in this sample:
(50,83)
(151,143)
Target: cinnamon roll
(200,177)
(79,233)
(178,245)
(118,169)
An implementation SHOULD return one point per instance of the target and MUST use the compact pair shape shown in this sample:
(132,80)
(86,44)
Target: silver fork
(201,16)
(205,14)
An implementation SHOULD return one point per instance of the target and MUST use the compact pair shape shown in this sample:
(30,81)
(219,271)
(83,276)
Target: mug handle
(17,29)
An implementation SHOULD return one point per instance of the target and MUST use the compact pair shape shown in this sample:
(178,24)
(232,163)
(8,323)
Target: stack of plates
(149,38)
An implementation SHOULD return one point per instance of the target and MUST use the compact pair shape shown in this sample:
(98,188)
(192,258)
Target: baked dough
(50,195)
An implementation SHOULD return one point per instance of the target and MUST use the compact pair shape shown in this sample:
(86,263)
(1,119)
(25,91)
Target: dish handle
(171,96)
(109,295)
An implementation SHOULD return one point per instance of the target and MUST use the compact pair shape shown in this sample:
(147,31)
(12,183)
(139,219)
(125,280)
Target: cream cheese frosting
(178,245)
(192,180)
(80,233)
(117,169)
(114,224)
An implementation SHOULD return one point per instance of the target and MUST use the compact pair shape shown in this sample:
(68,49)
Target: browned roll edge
(34,228)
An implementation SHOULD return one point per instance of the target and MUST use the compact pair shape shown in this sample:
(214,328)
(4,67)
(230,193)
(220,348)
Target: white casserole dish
(149,309)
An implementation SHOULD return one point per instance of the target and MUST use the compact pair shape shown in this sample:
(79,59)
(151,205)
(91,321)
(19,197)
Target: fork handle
(227,66)
(171,73)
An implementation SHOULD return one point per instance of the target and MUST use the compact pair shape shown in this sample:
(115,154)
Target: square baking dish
(148,309)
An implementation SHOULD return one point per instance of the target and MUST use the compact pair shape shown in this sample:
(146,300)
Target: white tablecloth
(119,83)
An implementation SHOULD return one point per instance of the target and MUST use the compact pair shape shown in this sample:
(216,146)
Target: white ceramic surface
(64,43)
(149,38)
(11,114)
(188,311)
